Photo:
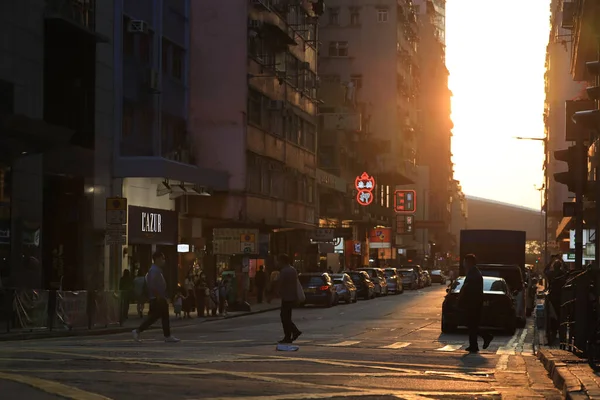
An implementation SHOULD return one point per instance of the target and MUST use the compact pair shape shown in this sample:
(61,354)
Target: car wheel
(355,298)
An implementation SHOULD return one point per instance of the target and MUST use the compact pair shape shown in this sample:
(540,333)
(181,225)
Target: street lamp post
(544,187)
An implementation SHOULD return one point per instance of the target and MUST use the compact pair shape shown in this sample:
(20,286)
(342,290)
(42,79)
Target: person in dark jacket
(260,281)
(471,302)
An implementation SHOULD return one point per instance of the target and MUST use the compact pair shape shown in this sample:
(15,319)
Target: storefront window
(5,195)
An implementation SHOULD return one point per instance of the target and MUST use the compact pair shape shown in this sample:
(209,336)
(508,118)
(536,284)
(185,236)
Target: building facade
(434,140)
(369,81)
(560,90)
(253,109)
(459,216)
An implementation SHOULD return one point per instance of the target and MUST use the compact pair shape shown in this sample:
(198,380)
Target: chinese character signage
(404,224)
(405,201)
(364,184)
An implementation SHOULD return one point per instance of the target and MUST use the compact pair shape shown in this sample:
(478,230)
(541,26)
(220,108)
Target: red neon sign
(365,185)
(405,201)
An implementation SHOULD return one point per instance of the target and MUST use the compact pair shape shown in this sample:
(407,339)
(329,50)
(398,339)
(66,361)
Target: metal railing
(32,310)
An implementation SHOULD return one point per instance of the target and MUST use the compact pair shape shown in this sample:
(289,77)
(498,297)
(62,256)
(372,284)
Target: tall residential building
(56,113)
(434,139)
(370,49)
(253,114)
(459,217)
(560,90)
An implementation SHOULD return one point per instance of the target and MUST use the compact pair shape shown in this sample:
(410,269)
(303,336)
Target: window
(334,16)
(178,61)
(356,80)
(309,136)
(255,107)
(166,51)
(265,181)
(338,49)
(292,69)
(127,121)
(145,46)
(382,15)
(128,39)
(310,194)
(354,16)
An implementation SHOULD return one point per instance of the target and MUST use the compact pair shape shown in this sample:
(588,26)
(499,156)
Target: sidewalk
(133,321)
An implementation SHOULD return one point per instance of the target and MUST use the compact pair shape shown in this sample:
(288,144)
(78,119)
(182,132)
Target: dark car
(345,288)
(377,276)
(394,281)
(410,278)
(364,287)
(498,307)
(318,289)
(437,276)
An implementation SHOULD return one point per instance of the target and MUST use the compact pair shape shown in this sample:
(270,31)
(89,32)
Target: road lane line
(343,344)
(450,347)
(508,350)
(54,388)
(397,345)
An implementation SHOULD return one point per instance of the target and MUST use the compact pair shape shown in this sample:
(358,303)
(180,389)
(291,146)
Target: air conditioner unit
(137,26)
(275,105)
(255,24)
(153,80)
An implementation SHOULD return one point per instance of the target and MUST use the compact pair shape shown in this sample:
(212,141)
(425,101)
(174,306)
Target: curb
(560,374)
(112,331)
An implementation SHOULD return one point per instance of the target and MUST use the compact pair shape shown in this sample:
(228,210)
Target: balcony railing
(80,12)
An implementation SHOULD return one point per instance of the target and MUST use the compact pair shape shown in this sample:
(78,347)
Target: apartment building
(434,139)
(253,109)
(561,92)
(459,217)
(368,57)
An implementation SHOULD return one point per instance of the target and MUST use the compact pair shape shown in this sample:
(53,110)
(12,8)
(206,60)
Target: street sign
(116,211)
(247,247)
(323,235)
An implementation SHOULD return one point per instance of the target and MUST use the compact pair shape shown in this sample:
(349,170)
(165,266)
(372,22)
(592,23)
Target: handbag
(300,297)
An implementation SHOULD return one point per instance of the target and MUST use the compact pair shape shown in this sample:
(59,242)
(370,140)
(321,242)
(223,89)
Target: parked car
(364,287)
(345,288)
(498,306)
(426,278)
(377,276)
(318,289)
(438,276)
(410,278)
(394,281)
(518,289)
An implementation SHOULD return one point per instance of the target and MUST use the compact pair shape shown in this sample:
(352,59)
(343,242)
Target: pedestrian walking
(288,289)
(125,287)
(157,294)
(139,282)
(260,281)
(273,286)
(471,303)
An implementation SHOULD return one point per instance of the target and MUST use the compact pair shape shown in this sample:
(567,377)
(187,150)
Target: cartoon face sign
(364,182)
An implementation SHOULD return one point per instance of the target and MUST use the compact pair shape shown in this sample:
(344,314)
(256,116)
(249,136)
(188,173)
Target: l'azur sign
(152,226)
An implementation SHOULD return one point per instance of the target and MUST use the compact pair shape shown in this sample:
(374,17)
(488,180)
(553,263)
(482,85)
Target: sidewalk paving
(133,322)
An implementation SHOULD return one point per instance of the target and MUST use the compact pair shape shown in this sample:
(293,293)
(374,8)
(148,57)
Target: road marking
(508,350)
(404,394)
(397,345)
(343,344)
(55,388)
(450,347)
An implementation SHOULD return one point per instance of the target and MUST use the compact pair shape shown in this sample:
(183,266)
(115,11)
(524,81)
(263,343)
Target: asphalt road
(385,348)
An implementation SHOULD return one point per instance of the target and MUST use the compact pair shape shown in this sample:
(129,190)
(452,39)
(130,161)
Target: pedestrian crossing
(499,347)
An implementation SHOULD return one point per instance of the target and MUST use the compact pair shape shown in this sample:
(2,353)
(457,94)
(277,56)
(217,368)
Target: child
(178,303)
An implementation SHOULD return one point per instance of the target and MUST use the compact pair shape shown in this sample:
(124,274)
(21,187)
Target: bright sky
(495,53)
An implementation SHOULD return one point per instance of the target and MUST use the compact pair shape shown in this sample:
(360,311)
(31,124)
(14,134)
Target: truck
(500,253)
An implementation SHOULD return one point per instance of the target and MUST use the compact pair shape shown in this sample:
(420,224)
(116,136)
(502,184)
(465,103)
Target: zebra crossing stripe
(450,347)
(343,344)
(397,345)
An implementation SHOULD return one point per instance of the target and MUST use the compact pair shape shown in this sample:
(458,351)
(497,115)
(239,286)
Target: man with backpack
(156,288)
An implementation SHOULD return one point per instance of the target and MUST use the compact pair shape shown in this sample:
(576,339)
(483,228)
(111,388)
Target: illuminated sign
(405,201)
(364,184)
(404,224)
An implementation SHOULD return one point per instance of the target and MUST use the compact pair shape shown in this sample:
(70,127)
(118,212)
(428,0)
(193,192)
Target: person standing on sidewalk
(471,302)
(288,289)
(157,294)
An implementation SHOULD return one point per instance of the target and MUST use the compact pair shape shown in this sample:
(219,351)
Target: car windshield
(436,272)
(407,273)
(355,277)
(489,285)
(338,281)
(309,280)
(390,273)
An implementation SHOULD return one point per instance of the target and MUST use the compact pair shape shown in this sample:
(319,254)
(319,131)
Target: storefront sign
(152,226)
(380,238)
(365,185)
